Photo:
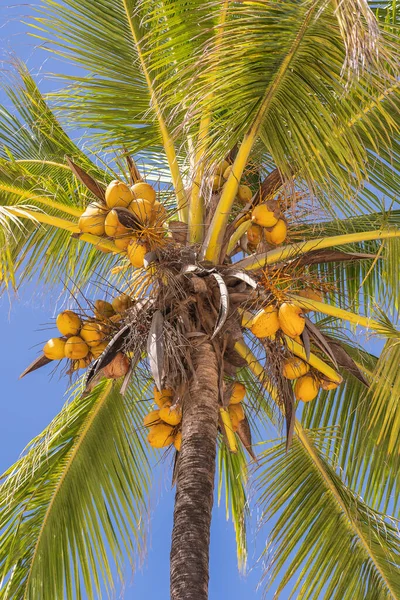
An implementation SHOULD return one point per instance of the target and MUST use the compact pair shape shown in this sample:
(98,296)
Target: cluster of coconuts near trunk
(289,318)
(268,223)
(164,422)
(84,340)
(125,216)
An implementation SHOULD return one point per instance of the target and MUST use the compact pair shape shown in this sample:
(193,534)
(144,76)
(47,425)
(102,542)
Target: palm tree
(301,100)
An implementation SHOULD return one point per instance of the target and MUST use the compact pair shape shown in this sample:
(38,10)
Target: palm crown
(242,115)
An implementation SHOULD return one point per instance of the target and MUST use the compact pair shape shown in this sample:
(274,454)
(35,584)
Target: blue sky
(28,405)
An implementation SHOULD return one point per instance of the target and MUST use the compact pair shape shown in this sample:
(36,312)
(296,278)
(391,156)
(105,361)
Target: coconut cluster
(164,423)
(244,193)
(126,214)
(84,340)
(289,319)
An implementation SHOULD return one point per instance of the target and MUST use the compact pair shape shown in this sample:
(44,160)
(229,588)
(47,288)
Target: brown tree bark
(195,481)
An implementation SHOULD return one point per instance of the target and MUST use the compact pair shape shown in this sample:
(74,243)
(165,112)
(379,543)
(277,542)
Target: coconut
(238,393)
(145,191)
(264,216)
(160,435)
(142,209)
(118,367)
(54,349)
(328,385)
(136,253)
(172,416)
(118,194)
(122,303)
(68,323)
(163,396)
(234,418)
(93,218)
(96,351)
(236,409)
(221,168)
(254,234)
(294,367)
(152,418)
(310,295)
(226,174)
(123,242)
(159,213)
(265,323)
(76,348)
(277,234)
(113,227)
(291,319)
(92,334)
(82,363)
(306,388)
(178,441)
(103,309)
(244,194)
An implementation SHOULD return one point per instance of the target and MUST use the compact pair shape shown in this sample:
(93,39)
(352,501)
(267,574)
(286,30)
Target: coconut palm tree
(270,132)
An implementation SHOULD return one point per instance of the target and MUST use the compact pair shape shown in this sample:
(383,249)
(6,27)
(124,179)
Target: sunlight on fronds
(76,500)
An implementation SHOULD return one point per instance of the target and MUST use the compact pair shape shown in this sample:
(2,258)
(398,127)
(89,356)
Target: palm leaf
(76,500)
(325,541)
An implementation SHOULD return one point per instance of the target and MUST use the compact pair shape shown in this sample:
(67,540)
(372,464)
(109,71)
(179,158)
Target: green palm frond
(232,481)
(76,500)
(325,541)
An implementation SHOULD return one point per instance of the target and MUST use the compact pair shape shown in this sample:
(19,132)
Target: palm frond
(325,541)
(232,480)
(76,500)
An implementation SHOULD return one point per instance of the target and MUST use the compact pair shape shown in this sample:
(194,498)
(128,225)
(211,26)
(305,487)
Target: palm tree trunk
(195,482)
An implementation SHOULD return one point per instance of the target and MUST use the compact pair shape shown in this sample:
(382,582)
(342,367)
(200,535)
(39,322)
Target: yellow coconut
(328,385)
(82,363)
(123,242)
(236,409)
(291,319)
(103,309)
(54,349)
(136,253)
(160,435)
(234,419)
(145,191)
(172,416)
(122,303)
(306,388)
(238,393)
(162,397)
(93,218)
(113,227)
(76,348)
(96,351)
(178,441)
(254,234)
(152,418)
(227,173)
(118,194)
(216,182)
(159,214)
(244,194)
(277,234)
(68,323)
(294,367)
(264,216)
(265,323)
(221,168)
(92,334)
(142,209)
